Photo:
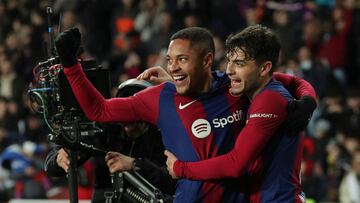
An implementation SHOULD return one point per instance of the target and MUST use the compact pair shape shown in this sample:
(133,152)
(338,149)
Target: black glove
(67,45)
(299,114)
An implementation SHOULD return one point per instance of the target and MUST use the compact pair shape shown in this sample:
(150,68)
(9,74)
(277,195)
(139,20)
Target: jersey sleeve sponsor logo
(183,106)
(201,128)
(263,115)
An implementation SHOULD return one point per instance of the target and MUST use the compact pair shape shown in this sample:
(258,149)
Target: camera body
(52,96)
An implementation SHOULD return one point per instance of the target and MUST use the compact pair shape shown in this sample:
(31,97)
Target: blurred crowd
(320,43)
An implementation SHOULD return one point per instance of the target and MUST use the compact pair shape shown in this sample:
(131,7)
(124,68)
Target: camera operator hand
(170,161)
(118,162)
(67,45)
(63,160)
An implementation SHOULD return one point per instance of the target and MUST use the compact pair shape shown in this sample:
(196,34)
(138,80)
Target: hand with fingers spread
(170,161)
(63,160)
(118,162)
(155,75)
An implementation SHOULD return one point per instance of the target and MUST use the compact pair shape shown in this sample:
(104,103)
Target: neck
(207,84)
(205,87)
(260,87)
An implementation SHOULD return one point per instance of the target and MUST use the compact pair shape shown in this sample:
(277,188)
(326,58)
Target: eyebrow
(239,61)
(177,56)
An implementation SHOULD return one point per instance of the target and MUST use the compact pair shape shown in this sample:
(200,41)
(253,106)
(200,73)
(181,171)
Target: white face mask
(306,65)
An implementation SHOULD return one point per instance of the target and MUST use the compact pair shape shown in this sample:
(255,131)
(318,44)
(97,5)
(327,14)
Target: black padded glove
(67,45)
(299,114)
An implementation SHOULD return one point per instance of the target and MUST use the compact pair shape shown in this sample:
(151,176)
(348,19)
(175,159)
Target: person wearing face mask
(139,145)
(313,71)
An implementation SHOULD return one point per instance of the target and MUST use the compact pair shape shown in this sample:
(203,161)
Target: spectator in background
(128,60)
(147,19)
(123,20)
(352,110)
(353,41)
(332,51)
(68,19)
(9,117)
(321,139)
(4,22)
(333,110)
(11,90)
(157,46)
(315,186)
(25,169)
(349,191)
(311,35)
(313,71)
(96,18)
(286,31)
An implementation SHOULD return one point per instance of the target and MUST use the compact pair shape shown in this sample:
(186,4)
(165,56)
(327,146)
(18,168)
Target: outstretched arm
(91,101)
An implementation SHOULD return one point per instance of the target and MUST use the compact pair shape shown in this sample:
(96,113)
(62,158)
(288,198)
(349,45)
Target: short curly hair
(257,42)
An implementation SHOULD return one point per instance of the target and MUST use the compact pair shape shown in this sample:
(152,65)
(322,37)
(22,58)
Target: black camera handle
(72,174)
(72,177)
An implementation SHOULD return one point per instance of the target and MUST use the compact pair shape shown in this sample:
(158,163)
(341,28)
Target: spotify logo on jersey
(201,128)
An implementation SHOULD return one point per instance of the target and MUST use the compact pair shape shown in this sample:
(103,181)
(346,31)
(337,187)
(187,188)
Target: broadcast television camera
(51,95)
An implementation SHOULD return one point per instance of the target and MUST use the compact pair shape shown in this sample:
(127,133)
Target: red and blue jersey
(263,152)
(194,129)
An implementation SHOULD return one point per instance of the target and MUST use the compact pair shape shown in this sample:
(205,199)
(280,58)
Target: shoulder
(277,88)
(274,97)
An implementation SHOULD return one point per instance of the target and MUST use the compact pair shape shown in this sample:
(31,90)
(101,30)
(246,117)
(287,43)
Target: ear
(265,68)
(208,60)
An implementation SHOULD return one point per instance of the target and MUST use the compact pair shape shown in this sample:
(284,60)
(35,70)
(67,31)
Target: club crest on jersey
(201,128)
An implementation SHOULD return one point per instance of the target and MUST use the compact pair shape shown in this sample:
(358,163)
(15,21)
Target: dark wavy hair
(257,42)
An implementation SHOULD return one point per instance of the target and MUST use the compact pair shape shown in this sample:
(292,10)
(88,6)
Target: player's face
(186,68)
(244,74)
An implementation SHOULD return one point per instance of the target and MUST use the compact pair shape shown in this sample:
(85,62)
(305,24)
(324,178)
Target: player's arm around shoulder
(268,109)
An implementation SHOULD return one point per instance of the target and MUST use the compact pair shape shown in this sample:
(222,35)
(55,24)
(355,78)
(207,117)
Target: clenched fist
(67,45)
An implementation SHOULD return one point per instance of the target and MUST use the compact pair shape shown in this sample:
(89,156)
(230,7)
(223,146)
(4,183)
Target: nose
(230,69)
(173,67)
